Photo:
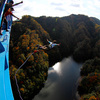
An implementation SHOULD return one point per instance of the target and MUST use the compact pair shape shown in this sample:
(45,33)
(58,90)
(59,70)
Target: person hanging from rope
(50,46)
(7,6)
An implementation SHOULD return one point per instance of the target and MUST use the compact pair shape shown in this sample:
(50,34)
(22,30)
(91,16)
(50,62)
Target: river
(62,81)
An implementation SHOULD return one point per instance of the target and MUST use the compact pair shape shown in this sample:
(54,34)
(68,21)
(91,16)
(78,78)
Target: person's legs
(5,21)
(0,31)
(44,47)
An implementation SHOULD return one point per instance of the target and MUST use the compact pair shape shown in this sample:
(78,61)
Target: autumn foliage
(79,36)
(89,87)
(32,75)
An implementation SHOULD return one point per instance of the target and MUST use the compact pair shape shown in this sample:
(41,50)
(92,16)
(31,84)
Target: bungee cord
(38,47)
(16,73)
(20,68)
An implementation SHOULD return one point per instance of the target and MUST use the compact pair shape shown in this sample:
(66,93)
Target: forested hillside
(25,35)
(79,36)
(89,87)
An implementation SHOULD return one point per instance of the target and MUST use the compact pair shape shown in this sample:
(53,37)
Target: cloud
(56,4)
(75,5)
(97,3)
(58,8)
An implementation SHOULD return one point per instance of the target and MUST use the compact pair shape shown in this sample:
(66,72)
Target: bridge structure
(5,84)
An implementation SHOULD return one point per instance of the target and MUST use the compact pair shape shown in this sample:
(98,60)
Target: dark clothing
(7,6)
(6,23)
(5,20)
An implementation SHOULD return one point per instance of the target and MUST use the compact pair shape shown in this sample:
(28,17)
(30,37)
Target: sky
(57,8)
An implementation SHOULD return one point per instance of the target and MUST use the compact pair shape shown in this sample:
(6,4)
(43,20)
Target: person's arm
(56,44)
(15,16)
(17,3)
(48,41)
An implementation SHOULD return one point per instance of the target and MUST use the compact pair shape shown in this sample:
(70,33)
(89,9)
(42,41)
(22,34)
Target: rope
(16,73)
(20,68)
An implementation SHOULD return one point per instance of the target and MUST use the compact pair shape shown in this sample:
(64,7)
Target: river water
(62,81)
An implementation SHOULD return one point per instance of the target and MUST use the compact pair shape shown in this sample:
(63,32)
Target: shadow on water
(62,80)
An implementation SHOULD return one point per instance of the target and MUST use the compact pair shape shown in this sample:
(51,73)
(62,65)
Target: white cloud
(56,4)
(97,3)
(58,8)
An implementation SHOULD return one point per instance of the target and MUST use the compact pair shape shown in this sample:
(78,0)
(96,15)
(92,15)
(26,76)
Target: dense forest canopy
(89,87)
(24,38)
(79,36)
